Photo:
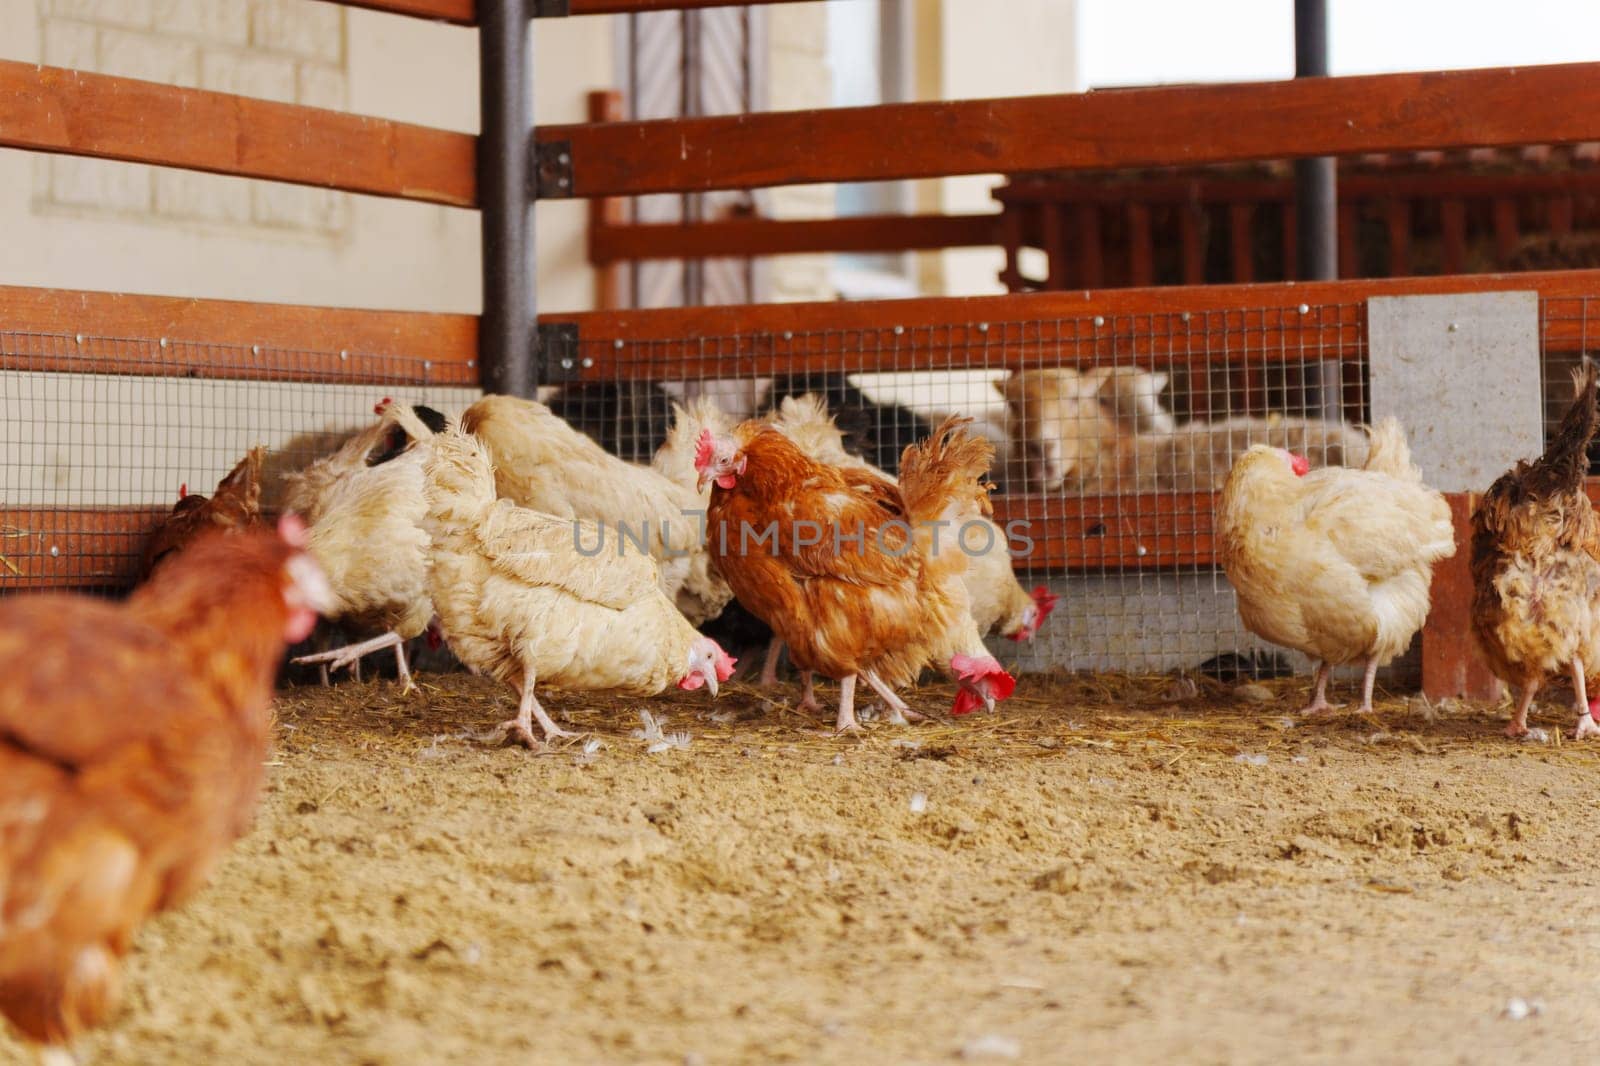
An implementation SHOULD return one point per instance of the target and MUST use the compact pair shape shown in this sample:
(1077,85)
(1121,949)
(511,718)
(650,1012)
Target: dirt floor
(1105,871)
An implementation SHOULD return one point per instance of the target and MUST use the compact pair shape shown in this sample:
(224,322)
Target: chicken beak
(703,480)
(709,672)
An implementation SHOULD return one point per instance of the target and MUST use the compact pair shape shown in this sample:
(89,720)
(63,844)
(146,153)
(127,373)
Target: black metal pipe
(506,338)
(1316,201)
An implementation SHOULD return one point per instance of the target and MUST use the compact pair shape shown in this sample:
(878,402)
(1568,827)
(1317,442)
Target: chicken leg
(899,712)
(1366,686)
(847,706)
(522,725)
(769,668)
(1586,726)
(1518,726)
(1319,698)
(350,655)
(808,693)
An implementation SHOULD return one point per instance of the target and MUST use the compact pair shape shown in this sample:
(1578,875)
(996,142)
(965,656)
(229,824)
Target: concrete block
(312,30)
(188,194)
(265,77)
(70,44)
(150,57)
(1462,374)
(298,208)
(99,183)
(322,86)
(222,21)
(132,13)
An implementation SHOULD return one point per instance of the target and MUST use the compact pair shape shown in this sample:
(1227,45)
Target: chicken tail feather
(942,477)
(459,478)
(1388,452)
(1566,460)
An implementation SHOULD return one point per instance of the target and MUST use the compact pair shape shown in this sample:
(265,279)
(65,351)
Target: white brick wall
(292,51)
(206,20)
(298,28)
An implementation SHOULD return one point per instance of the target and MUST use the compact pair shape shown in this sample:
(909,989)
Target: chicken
(1133,396)
(235,505)
(544,464)
(845,565)
(365,506)
(1536,568)
(1061,432)
(997,598)
(877,432)
(522,598)
(626,418)
(132,743)
(1335,563)
(1096,433)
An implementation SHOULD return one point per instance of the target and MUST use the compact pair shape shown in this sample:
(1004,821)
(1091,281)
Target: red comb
(1046,601)
(725,664)
(704,446)
(382,405)
(1299,464)
(183,491)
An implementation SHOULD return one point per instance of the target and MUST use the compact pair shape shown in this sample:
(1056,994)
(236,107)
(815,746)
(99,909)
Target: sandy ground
(1099,873)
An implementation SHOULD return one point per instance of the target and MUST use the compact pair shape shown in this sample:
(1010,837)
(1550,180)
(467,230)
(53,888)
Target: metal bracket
(552,170)
(557,355)
(549,9)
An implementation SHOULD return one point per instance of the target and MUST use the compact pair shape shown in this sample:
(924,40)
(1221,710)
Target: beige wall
(96,225)
(971,49)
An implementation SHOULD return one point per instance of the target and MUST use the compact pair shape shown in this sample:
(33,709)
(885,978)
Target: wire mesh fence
(1112,434)
(100,435)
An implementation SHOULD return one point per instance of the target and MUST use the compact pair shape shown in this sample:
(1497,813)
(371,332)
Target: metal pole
(1316,192)
(506,338)
(1316,206)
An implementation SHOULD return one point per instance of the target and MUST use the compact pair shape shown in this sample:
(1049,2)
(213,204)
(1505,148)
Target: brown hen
(1536,568)
(235,505)
(132,739)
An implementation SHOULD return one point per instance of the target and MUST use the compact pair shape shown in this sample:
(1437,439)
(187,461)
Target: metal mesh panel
(99,433)
(1106,460)
(1116,499)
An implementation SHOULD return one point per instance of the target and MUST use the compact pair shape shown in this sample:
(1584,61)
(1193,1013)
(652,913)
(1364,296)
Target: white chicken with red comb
(1336,562)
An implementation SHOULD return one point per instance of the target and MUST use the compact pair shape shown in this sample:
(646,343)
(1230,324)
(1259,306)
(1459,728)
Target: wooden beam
(1110,533)
(622,7)
(1452,667)
(1226,189)
(765,236)
(64,547)
(1226,324)
(1106,130)
(460,12)
(99,548)
(73,331)
(54,110)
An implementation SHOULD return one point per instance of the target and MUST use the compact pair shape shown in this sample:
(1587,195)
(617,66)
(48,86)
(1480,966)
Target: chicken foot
(769,667)
(1518,726)
(899,712)
(808,693)
(350,655)
(847,706)
(1586,726)
(522,725)
(1319,698)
